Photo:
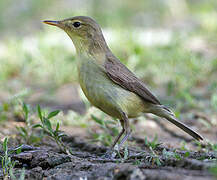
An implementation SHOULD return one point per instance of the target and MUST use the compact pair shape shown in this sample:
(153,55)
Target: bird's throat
(85,51)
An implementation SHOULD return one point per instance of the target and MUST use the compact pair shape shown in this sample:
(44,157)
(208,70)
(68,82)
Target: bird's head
(85,33)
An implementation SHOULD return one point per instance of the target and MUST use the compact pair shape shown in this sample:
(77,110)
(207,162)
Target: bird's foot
(112,153)
(116,152)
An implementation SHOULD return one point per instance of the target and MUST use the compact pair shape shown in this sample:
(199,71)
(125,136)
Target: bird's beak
(55,23)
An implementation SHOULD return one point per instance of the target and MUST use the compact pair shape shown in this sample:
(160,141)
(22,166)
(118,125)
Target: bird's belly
(106,95)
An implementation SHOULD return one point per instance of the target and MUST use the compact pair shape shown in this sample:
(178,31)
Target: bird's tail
(164,112)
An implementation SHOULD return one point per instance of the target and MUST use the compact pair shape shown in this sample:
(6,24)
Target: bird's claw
(111,153)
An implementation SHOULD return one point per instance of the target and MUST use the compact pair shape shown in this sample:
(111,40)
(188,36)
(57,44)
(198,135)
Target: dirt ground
(87,160)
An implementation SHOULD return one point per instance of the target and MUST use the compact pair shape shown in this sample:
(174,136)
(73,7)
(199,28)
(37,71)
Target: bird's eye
(76,24)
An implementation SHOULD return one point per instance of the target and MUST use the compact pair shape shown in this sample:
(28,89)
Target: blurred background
(170,44)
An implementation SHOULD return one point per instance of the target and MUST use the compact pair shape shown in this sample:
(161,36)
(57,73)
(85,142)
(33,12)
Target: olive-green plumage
(106,82)
(105,94)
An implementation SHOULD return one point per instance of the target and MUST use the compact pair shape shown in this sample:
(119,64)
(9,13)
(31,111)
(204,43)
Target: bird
(107,83)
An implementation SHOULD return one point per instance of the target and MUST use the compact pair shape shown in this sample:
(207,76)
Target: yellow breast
(105,94)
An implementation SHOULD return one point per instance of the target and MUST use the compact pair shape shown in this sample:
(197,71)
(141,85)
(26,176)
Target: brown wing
(121,75)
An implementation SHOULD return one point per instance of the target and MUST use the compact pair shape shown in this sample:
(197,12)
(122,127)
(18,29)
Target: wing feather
(122,76)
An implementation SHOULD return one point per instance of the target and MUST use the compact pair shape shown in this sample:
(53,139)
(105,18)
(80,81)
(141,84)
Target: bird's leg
(126,128)
(113,151)
(120,134)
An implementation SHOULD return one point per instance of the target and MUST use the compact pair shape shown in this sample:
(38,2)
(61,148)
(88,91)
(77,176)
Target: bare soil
(87,161)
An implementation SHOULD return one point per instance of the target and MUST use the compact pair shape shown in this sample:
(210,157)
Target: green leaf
(97,120)
(61,135)
(177,156)
(137,162)
(39,113)
(48,125)
(126,153)
(158,161)
(26,111)
(187,154)
(22,175)
(146,141)
(115,131)
(5,144)
(57,127)
(24,130)
(19,150)
(37,125)
(12,176)
(53,113)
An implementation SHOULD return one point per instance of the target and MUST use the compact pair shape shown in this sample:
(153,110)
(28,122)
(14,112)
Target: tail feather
(166,113)
(185,128)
